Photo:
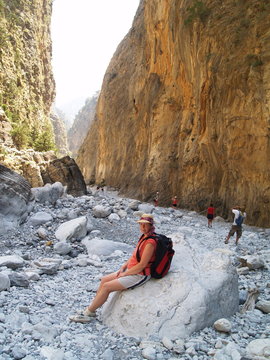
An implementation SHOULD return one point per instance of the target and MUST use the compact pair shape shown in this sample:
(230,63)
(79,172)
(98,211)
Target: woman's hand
(121,270)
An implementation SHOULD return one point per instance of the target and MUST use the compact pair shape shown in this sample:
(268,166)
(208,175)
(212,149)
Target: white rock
(107,355)
(146,208)
(101,211)
(97,246)
(4,282)
(44,331)
(243,270)
(42,233)
(149,353)
(113,217)
(47,266)
(52,354)
(229,352)
(2,318)
(32,275)
(82,262)
(259,347)
(252,261)
(167,343)
(122,213)
(133,205)
(182,302)
(263,305)
(73,229)
(223,325)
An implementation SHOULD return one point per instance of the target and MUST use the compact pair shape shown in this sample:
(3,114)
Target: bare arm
(146,256)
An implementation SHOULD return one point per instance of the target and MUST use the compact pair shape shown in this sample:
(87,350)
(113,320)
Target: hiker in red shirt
(132,273)
(210,215)
(174,202)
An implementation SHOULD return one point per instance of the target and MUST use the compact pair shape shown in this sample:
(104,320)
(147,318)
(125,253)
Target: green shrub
(44,141)
(20,135)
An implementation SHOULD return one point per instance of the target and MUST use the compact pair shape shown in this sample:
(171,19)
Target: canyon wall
(184,108)
(26,81)
(81,124)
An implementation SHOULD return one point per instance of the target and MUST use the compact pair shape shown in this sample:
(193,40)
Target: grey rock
(101,211)
(40,218)
(18,279)
(15,199)
(4,282)
(12,261)
(49,193)
(62,248)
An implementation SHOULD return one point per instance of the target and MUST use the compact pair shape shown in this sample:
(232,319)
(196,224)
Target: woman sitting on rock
(131,274)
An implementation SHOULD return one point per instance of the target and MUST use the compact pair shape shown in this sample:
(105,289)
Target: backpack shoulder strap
(153,236)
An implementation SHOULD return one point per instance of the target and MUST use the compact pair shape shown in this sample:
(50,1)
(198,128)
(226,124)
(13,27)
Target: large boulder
(15,199)
(74,229)
(103,247)
(201,287)
(67,172)
(49,193)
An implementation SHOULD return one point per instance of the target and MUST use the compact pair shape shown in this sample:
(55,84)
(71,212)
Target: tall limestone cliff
(26,82)
(60,133)
(184,107)
(81,124)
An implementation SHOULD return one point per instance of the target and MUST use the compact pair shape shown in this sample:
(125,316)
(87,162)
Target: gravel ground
(34,319)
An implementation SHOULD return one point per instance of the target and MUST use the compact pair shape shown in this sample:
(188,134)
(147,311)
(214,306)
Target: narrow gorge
(184,108)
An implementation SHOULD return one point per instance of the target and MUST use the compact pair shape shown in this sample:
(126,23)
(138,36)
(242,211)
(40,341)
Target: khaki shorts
(236,229)
(132,281)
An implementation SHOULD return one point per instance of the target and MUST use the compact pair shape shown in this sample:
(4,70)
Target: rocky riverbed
(47,285)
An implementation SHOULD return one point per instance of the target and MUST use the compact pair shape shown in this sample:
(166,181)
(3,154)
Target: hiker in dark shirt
(239,216)
(132,273)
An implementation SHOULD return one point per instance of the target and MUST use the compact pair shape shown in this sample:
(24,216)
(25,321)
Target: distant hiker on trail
(210,215)
(132,273)
(156,199)
(174,202)
(239,216)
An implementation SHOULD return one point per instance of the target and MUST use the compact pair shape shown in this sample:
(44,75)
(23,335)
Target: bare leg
(227,239)
(107,285)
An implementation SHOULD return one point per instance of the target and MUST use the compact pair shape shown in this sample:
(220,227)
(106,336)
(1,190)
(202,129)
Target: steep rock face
(184,108)
(26,80)
(26,163)
(81,125)
(67,172)
(60,133)
(15,199)
(5,129)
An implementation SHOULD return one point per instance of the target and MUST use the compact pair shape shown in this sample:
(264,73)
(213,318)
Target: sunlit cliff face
(26,85)
(184,108)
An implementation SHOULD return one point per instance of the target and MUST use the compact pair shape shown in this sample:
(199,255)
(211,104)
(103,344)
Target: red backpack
(163,256)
